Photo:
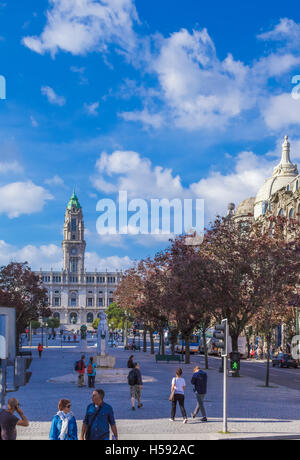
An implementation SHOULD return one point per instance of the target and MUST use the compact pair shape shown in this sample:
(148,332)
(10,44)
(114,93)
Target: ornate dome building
(283,176)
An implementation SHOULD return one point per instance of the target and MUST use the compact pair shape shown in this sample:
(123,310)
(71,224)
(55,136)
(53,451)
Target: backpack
(132,378)
(90,369)
(78,365)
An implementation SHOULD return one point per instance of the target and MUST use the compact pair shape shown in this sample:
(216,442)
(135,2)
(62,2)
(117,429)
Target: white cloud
(55,181)
(20,198)
(10,167)
(128,171)
(33,121)
(52,97)
(286,30)
(196,90)
(50,256)
(249,172)
(82,26)
(92,109)
(44,256)
(281,111)
(112,263)
(154,120)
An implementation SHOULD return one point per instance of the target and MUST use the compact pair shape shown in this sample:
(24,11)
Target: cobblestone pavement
(252,409)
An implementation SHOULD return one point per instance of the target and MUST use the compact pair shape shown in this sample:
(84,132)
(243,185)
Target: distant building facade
(77,297)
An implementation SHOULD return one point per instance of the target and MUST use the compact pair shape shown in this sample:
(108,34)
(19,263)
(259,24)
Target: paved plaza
(254,411)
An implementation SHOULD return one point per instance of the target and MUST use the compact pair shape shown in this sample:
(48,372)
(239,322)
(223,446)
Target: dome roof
(283,174)
(245,208)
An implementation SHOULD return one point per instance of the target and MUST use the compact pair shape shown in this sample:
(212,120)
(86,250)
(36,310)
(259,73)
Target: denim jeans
(200,405)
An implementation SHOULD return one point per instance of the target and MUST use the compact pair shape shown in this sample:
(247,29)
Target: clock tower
(73,243)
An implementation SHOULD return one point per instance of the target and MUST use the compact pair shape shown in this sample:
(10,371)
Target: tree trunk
(234,341)
(268,337)
(187,350)
(162,342)
(151,342)
(205,348)
(145,340)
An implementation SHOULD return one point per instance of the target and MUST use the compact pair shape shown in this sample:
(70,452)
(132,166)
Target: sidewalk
(253,411)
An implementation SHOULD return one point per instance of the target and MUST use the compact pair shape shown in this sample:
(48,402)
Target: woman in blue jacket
(64,427)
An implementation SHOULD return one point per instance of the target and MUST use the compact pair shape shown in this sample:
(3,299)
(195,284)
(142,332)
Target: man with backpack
(80,368)
(91,373)
(136,385)
(199,380)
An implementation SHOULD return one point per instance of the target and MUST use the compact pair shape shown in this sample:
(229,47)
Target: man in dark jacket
(199,380)
(136,385)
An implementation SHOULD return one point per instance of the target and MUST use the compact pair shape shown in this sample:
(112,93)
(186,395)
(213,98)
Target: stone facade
(75,296)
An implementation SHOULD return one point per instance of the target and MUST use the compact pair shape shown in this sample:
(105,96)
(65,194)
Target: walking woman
(64,427)
(177,394)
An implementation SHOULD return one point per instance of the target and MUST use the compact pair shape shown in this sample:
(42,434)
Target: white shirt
(179,384)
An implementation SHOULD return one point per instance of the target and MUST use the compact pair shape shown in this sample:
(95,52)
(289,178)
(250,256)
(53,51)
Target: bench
(168,358)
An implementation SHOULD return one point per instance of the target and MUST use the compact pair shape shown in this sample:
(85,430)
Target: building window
(56,315)
(90,279)
(89,318)
(56,301)
(74,264)
(100,302)
(110,301)
(90,301)
(74,225)
(111,279)
(46,279)
(56,279)
(73,301)
(73,279)
(100,279)
(291,214)
(281,213)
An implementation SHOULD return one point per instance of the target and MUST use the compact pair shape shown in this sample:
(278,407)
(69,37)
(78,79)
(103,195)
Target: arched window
(291,214)
(281,213)
(73,318)
(56,315)
(297,185)
(89,318)
(73,299)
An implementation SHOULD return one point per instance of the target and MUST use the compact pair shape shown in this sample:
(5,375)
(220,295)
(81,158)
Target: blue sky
(165,99)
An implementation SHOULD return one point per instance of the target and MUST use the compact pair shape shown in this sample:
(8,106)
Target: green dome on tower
(74,202)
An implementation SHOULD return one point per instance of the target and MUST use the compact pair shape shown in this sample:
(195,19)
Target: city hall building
(77,297)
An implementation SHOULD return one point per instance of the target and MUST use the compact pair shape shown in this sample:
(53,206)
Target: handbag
(171,397)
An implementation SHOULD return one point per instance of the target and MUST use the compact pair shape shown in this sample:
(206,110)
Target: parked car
(284,360)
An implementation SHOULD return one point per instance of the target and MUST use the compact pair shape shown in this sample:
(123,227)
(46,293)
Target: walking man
(81,371)
(136,385)
(98,418)
(199,380)
(8,421)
